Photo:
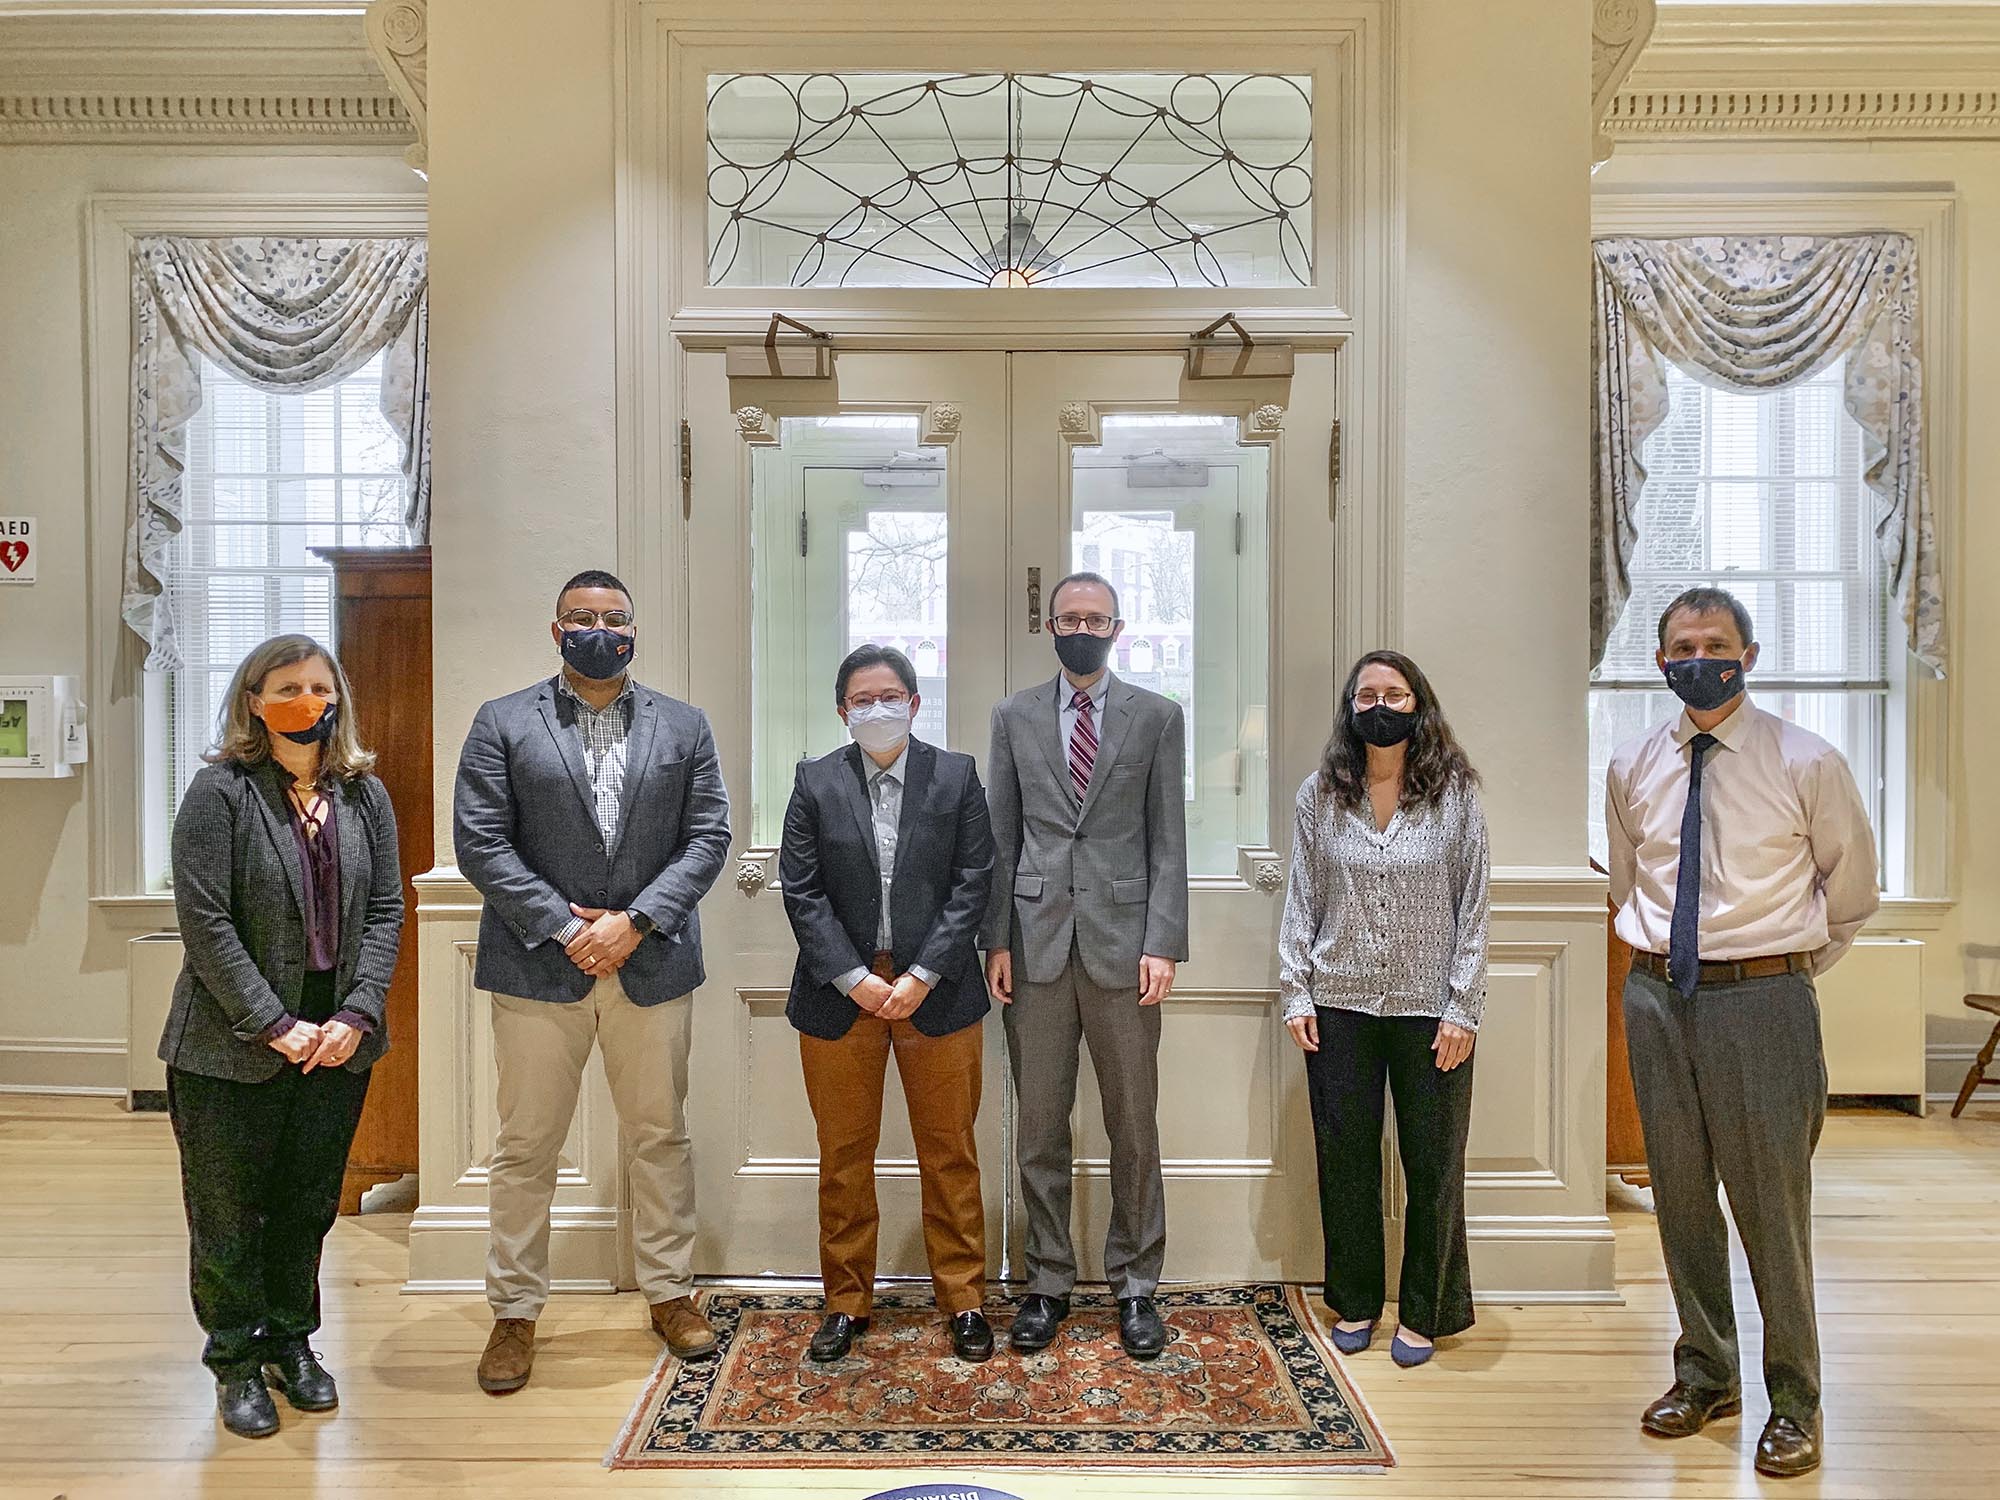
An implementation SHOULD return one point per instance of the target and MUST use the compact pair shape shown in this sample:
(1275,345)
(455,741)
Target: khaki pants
(845,1080)
(541,1048)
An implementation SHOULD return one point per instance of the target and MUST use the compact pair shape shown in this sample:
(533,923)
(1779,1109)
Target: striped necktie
(1082,744)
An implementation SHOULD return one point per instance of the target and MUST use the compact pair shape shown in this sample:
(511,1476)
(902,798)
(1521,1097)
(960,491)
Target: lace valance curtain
(280,315)
(1751,313)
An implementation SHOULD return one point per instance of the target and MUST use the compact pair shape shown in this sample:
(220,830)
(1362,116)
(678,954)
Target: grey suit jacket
(238,890)
(1108,873)
(525,828)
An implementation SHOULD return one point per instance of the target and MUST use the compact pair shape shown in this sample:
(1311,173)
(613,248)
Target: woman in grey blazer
(289,894)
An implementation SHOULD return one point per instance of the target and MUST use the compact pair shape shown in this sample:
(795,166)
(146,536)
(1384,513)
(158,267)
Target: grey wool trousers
(1045,1025)
(1732,1089)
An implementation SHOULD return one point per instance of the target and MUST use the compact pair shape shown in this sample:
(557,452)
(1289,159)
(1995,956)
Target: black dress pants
(1357,1055)
(261,1169)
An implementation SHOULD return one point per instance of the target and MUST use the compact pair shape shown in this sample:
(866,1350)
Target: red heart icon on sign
(12,555)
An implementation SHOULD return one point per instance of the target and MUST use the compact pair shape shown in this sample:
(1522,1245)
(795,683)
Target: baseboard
(1945,1065)
(1543,1259)
(92,1066)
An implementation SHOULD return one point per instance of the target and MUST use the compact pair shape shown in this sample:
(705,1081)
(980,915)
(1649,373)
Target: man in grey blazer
(1087,919)
(590,813)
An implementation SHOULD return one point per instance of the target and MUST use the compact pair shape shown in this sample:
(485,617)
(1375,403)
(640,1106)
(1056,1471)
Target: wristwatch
(640,920)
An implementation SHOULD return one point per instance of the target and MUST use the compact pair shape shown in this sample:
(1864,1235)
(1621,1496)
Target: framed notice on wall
(17,549)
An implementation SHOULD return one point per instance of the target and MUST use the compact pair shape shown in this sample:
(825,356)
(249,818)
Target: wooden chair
(1977,1073)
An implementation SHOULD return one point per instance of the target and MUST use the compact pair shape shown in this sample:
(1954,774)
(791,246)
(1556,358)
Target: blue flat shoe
(1353,1340)
(1409,1356)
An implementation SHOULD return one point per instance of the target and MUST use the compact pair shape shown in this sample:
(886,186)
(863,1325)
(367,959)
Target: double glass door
(930,501)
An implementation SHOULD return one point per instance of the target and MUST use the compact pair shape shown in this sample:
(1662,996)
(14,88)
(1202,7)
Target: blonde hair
(241,736)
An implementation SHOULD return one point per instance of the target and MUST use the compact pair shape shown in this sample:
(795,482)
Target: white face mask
(880,727)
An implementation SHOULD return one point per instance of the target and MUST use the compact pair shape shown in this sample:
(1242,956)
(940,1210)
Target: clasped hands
(892,1002)
(607,940)
(313,1046)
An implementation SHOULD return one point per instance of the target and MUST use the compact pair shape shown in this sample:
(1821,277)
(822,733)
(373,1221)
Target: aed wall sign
(17,549)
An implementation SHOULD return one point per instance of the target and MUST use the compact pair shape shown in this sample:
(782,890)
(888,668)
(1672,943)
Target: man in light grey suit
(590,813)
(1087,918)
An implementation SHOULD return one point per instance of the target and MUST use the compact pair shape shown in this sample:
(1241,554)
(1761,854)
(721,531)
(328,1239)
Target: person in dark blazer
(590,813)
(290,900)
(1086,922)
(886,860)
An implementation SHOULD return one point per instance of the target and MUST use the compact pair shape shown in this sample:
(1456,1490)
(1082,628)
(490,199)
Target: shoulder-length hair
(240,736)
(1436,762)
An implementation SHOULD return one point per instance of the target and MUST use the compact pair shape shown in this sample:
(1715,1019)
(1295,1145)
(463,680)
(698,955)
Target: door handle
(1034,601)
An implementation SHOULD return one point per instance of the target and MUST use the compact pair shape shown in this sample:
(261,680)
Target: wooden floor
(101,1393)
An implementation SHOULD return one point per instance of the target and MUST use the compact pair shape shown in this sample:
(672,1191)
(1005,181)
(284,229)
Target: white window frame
(114,688)
(1920,865)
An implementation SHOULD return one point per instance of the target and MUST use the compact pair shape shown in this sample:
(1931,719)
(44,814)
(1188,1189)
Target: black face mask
(320,733)
(1383,726)
(599,655)
(1083,654)
(1704,682)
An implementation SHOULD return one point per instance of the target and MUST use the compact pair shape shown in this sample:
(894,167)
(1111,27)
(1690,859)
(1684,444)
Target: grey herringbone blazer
(237,891)
(1108,872)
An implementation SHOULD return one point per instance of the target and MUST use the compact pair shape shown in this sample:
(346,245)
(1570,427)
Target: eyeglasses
(1071,624)
(1397,700)
(590,619)
(893,697)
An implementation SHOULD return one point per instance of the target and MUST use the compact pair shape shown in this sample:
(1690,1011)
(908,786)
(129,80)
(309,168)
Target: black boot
(245,1407)
(296,1370)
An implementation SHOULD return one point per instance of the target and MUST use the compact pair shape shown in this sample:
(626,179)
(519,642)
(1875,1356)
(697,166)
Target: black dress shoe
(972,1337)
(1686,1409)
(296,1370)
(1037,1323)
(1139,1327)
(1788,1449)
(835,1337)
(245,1407)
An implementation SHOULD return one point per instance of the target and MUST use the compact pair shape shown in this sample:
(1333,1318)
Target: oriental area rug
(1248,1384)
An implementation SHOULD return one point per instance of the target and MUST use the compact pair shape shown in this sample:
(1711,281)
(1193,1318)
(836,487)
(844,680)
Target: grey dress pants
(1732,1089)
(1045,1025)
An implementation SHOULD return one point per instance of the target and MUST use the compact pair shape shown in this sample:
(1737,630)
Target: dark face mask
(600,654)
(1704,682)
(1083,654)
(1383,726)
(320,733)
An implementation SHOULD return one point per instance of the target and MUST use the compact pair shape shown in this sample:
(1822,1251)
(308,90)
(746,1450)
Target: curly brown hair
(1436,761)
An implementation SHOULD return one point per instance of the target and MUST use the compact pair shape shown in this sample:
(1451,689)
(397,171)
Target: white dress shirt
(885,799)
(1787,856)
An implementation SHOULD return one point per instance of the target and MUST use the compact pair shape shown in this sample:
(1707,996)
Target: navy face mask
(1704,682)
(599,654)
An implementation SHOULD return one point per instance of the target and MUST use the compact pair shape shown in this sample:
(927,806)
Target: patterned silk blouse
(1391,923)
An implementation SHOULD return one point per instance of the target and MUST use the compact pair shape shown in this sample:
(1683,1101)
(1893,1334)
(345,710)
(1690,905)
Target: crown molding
(1869,71)
(229,77)
(1618,33)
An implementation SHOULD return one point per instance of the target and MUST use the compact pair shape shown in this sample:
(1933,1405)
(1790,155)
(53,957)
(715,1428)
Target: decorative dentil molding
(1618,33)
(1877,114)
(399,34)
(83,118)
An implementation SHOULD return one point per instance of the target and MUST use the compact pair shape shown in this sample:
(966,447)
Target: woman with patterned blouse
(1383,969)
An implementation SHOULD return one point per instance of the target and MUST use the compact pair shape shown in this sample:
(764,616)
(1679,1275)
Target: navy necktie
(1684,946)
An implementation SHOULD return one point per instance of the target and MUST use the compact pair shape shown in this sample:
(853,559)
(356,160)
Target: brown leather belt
(1731,971)
(884,965)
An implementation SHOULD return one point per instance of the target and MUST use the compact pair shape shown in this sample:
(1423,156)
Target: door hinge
(1333,457)
(687,470)
(805,531)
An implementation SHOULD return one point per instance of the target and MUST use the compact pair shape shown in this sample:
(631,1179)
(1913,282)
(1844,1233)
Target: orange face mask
(295,715)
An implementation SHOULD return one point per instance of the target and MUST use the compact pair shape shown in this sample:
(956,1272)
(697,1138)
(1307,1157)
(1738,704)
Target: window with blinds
(1760,494)
(269,478)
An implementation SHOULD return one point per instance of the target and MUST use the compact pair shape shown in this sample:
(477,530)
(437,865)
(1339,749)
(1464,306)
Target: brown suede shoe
(686,1331)
(509,1356)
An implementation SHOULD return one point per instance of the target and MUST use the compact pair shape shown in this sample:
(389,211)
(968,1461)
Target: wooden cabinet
(382,632)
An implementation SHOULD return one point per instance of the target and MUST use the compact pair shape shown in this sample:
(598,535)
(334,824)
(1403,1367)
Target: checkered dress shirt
(603,733)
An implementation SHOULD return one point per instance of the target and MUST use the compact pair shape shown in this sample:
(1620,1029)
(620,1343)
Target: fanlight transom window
(1010,180)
